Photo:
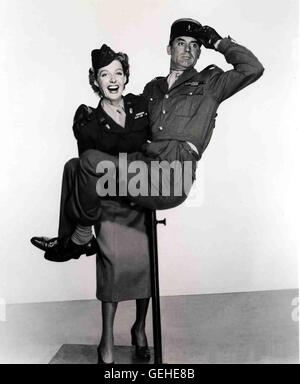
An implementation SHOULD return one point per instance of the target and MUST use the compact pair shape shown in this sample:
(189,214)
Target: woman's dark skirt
(123,265)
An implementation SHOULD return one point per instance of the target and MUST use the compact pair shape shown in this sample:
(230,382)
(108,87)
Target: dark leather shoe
(87,249)
(142,353)
(100,360)
(44,243)
(66,250)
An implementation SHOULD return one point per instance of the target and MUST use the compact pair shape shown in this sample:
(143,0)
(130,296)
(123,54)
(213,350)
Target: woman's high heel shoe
(142,353)
(100,360)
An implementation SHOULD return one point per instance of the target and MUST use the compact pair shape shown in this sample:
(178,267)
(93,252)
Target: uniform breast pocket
(140,122)
(154,106)
(188,101)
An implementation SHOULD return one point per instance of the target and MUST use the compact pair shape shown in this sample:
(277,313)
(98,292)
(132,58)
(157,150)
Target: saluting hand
(209,37)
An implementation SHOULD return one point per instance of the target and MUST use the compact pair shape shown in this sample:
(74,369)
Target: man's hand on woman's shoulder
(82,116)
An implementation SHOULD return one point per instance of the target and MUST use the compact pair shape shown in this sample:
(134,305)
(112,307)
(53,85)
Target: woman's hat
(186,27)
(102,57)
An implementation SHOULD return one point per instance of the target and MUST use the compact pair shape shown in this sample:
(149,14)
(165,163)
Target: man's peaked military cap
(186,27)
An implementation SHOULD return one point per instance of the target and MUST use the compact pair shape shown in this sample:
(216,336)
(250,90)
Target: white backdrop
(238,230)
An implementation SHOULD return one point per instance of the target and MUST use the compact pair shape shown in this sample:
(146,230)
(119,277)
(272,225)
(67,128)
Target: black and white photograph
(150,183)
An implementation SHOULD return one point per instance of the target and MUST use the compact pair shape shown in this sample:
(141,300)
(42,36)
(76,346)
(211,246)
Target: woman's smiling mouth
(113,88)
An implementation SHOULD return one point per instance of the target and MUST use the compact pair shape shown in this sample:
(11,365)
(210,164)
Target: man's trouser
(66,225)
(160,178)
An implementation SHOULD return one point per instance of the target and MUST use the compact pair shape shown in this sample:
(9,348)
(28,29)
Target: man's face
(184,52)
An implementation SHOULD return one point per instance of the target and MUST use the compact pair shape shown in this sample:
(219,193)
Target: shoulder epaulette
(210,67)
(136,101)
(132,96)
(157,78)
(209,70)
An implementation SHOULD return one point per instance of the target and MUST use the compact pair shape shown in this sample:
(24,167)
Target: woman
(118,124)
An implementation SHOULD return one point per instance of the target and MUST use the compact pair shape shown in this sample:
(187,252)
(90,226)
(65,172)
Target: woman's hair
(122,58)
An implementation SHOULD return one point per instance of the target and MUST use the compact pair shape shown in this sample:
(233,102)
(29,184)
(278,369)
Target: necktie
(173,76)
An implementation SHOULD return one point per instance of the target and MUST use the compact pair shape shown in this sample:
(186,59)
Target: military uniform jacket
(187,110)
(95,129)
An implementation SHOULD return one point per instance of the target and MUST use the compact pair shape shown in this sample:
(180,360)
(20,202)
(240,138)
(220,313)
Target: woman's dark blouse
(95,129)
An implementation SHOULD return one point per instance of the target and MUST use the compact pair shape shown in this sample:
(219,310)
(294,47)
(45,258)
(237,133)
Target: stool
(156,318)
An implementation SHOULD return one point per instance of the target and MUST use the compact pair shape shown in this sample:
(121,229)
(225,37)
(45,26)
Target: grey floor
(254,327)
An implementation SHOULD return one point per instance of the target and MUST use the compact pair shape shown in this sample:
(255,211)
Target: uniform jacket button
(160,128)
(167,96)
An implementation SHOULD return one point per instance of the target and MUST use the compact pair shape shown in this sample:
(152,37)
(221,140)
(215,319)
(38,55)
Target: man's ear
(169,50)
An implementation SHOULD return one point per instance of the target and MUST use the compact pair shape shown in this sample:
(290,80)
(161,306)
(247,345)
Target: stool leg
(155,288)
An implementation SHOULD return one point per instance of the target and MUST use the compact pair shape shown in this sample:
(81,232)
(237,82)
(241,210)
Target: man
(182,112)
(183,105)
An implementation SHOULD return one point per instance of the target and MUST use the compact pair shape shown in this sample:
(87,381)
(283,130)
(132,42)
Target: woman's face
(111,80)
